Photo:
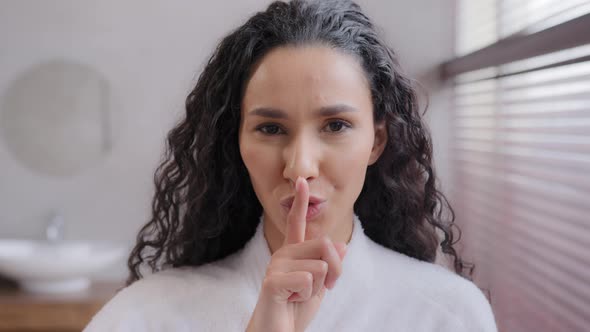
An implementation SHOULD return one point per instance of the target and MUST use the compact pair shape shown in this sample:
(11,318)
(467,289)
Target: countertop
(21,311)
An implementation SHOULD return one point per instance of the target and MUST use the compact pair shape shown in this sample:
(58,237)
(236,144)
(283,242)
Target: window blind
(521,161)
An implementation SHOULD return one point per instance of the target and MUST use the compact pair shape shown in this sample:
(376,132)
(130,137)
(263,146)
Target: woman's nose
(301,158)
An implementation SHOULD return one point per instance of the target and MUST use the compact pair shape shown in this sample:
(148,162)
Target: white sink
(45,267)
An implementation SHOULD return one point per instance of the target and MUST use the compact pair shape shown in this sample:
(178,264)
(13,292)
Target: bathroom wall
(151,53)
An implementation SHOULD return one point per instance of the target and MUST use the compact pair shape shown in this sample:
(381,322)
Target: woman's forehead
(312,75)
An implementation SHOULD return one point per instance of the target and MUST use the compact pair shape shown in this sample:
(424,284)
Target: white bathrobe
(379,290)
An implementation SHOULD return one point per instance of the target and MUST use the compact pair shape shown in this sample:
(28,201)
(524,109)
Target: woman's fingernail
(329,285)
(298,184)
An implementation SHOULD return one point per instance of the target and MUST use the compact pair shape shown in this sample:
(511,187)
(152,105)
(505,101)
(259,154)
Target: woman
(301,176)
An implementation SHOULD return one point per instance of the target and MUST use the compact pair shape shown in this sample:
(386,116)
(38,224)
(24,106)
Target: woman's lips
(314,208)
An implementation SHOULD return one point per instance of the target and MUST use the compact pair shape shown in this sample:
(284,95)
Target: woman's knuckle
(325,243)
(323,267)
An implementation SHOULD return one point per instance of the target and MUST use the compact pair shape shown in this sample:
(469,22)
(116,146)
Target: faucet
(55,228)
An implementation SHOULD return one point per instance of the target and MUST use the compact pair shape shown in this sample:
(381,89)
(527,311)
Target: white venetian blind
(521,152)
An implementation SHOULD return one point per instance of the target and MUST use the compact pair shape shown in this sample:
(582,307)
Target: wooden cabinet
(20,311)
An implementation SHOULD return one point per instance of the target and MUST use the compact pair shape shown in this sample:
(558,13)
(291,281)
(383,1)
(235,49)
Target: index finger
(295,232)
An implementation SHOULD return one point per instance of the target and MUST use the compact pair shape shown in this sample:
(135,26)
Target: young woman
(298,194)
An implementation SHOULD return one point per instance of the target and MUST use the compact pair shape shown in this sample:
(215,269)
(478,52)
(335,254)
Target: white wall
(151,52)
(421,32)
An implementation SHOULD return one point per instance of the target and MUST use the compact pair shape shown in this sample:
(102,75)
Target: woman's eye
(269,129)
(337,126)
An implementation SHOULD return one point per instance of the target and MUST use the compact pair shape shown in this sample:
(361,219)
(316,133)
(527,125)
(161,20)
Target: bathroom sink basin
(46,267)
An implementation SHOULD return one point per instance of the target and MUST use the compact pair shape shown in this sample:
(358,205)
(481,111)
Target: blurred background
(88,91)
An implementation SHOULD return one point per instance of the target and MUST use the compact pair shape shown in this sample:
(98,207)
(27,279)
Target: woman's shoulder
(436,286)
(180,281)
(178,296)
(175,281)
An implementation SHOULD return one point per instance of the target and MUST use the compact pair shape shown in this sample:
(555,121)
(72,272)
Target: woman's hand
(297,275)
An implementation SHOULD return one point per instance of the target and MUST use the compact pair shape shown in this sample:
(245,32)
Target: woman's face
(307,111)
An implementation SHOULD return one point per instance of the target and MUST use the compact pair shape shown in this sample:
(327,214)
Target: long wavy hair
(205,208)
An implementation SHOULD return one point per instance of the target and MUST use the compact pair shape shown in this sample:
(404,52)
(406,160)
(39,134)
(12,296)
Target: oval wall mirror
(55,118)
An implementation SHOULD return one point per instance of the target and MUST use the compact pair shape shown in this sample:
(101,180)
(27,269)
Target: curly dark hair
(205,208)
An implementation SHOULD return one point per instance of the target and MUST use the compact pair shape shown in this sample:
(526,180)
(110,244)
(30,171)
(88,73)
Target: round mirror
(55,118)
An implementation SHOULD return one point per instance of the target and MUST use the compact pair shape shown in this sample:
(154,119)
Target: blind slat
(571,179)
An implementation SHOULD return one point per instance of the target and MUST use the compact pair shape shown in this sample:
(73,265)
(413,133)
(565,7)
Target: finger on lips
(321,257)
(296,218)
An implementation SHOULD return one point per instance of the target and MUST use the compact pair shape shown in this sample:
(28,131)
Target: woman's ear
(379,142)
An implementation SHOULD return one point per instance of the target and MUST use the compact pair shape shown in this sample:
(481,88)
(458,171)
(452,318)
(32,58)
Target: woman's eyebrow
(325,111)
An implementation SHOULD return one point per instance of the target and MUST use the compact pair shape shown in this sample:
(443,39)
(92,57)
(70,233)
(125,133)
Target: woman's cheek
(260,162)
(347,168)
